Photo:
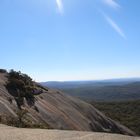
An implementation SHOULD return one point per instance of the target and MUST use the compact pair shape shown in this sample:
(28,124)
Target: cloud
(112,4)
(115,26)
(60,6)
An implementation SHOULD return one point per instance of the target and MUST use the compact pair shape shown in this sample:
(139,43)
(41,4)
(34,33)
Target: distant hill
(25,103)
(93,83)
(111,90)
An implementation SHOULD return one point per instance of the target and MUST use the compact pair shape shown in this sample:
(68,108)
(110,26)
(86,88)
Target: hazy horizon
(97,80)
(68,40)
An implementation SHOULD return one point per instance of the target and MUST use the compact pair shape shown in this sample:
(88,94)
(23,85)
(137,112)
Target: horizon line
(121,78)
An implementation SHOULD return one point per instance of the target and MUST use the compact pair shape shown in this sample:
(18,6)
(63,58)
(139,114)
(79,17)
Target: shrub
(3,71)
(21,86)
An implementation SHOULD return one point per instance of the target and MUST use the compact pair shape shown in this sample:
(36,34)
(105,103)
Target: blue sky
(61,40)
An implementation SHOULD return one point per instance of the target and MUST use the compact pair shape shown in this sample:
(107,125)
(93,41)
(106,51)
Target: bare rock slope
(11,133)
(59,111)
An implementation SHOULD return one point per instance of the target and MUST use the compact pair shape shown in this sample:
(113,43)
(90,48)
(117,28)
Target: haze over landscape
(62,40)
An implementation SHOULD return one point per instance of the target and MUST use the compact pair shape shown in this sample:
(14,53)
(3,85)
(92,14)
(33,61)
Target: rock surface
(11,133)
